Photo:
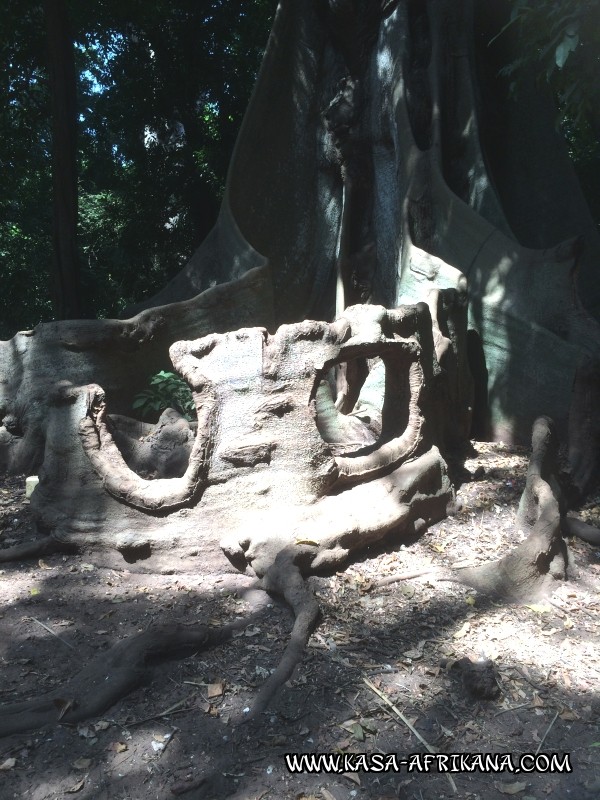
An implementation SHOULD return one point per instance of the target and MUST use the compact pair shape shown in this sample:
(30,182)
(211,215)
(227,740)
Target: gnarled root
(128,664)
(284,578)
(33,549)
(529,569)
(119,671)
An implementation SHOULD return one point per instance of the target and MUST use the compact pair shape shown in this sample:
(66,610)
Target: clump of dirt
(414,666)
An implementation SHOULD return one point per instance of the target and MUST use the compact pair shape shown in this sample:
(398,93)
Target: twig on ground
(399,714)
(434,572)
(408,724)
(539,747)
(531,682)
(512,708)
(33,619)
(175,709)
(403,576)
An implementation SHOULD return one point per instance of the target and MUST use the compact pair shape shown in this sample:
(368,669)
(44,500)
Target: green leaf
(358,732)
(567,46)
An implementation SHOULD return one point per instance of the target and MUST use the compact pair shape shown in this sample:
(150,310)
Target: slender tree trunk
(61,61)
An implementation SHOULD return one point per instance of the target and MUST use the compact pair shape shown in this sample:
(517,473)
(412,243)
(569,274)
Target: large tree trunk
(325,325)
(409,165)
(378,162)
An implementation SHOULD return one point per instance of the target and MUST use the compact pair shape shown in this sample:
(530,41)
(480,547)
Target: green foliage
(560,43)
(162,87)
(167,390)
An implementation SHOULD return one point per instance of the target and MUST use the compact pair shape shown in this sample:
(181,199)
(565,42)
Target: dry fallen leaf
(8,764)
(77,787)
(511,788)
(352,776)
(465,628)
(82,763)
(63,706)
(358,732)
(568,715)
(117,747)
(537,701)
(215,690)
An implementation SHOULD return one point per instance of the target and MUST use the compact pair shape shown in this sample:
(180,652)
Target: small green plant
(167,390)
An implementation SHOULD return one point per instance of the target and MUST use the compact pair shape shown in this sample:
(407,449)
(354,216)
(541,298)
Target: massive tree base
(277,478)
(274,480)
(529,570)
(542,558)
(320,438)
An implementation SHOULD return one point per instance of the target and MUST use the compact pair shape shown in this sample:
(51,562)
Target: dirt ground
(410,667)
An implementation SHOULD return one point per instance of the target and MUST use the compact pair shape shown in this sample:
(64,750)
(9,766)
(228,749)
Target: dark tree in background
(63,91)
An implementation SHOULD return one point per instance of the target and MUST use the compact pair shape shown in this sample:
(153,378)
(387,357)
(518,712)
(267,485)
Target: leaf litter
(404,638)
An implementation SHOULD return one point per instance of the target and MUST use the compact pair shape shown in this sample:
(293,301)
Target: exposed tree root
(524,572)
(530,568)
(581,529)
(284,578)
(33,549)
(117,672)
(128,664)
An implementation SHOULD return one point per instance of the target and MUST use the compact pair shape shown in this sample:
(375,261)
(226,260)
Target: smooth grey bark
(460,178)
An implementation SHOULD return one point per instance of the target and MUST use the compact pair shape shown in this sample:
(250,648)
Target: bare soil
(435,651)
